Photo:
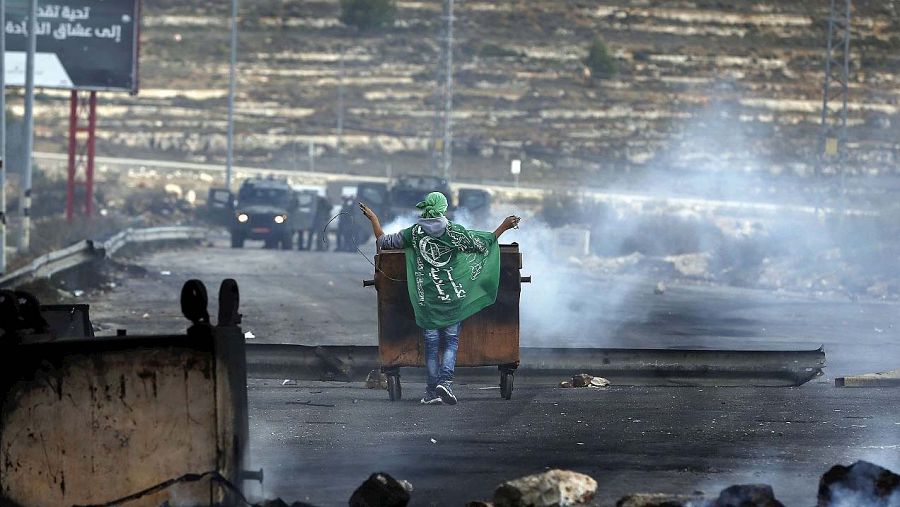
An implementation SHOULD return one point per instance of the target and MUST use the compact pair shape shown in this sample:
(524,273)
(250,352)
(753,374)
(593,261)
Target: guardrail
(84,251)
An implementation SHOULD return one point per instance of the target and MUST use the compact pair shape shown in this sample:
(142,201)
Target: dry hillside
(705,84)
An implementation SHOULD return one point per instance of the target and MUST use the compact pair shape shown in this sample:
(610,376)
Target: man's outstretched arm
(382,241)
(510,222)
(373,218)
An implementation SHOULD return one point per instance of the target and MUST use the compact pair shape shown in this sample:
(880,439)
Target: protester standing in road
(452,273)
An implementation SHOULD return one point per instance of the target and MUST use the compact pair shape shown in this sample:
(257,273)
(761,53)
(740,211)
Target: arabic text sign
(87,44)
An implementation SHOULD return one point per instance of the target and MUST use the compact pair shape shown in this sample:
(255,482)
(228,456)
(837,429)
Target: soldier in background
(345,240)
(318,232)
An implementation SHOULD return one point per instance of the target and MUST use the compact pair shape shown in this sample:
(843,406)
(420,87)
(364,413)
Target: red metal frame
(82,109)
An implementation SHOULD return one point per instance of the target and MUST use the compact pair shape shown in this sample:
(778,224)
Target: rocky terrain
(732,85)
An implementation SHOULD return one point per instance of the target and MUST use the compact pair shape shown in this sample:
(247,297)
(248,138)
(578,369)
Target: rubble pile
(861,484)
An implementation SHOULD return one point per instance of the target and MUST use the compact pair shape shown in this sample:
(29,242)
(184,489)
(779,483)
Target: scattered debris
(741,495)
(585,380)
(862,483)
(582,380)
(663,500)
(78,293)
(660,289)
(289,382)
(376,380)
(479,503)
(433,441)
(552,488)
(165,273)
(249,335)
(145,316)
(381,490)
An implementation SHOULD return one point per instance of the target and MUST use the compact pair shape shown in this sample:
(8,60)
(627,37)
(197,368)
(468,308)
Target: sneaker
(431,399)
(446,394)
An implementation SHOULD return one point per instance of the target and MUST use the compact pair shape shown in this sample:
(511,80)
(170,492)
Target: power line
(232,85)
(3,140)
(28,127)
(831,155)
(448,90)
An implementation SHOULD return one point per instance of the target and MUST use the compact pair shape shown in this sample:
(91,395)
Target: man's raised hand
(511,222)
(368,212)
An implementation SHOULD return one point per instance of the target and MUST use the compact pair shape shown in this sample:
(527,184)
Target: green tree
(602,64)
(368,14)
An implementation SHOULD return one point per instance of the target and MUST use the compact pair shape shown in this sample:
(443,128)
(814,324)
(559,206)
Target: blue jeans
(440,366)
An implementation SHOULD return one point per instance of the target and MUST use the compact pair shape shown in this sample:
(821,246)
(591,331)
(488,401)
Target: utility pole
(2,137)
(832,155)
(442,144)
(340,113)
(448,90)
(229,156)
(25,200)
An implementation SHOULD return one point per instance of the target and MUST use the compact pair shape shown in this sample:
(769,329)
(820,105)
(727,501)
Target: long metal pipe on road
(622,366)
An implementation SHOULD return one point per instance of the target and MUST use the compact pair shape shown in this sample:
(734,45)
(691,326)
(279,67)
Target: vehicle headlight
(279,219)
(243,217)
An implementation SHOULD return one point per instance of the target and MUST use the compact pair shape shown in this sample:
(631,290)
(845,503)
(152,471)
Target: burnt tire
(394,390)
(506,384)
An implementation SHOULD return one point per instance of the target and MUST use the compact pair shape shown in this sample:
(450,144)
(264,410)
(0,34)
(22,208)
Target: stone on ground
(376,380)
(381,490)
(662,500)
(747,495)
(862,483)
(552,488)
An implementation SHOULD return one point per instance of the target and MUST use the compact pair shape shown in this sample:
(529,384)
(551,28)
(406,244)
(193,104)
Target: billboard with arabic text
(81,44)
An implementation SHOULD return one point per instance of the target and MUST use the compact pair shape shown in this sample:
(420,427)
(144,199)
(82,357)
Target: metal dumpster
(488,338)
(87,421)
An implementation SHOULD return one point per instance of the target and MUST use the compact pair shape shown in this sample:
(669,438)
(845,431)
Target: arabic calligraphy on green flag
(451,277)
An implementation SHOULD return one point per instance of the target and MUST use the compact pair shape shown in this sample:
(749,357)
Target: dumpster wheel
(394,390)
(506,384)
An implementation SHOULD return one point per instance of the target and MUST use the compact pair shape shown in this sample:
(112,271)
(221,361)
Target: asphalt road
(318,441)
(316,298)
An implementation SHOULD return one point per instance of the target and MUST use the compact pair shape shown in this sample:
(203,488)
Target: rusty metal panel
(91,421)
(490,337)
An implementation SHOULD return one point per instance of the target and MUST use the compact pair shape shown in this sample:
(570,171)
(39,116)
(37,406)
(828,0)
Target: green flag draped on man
(452,274)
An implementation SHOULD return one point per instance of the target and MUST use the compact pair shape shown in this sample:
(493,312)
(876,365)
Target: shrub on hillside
(602,64)
(368,14)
